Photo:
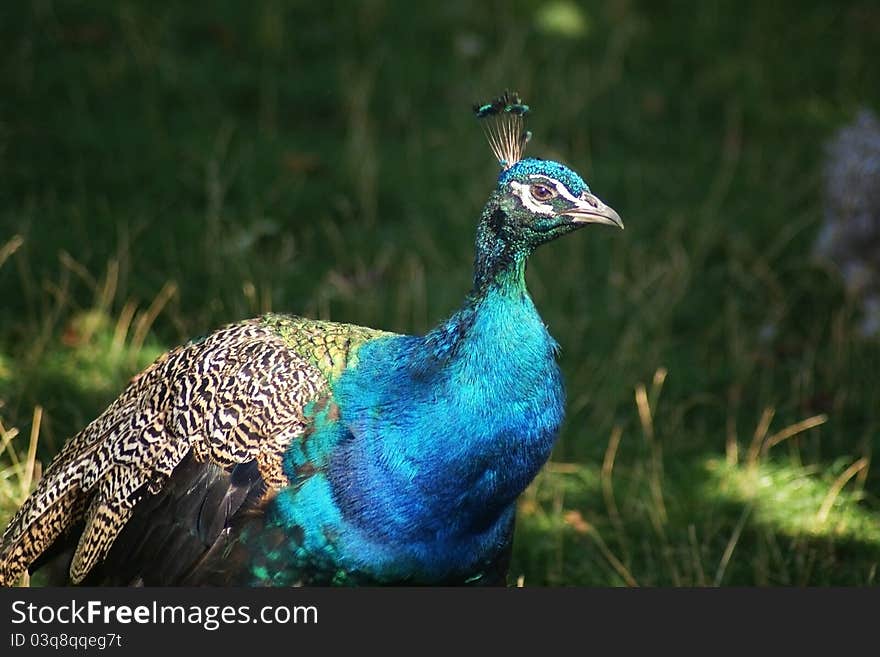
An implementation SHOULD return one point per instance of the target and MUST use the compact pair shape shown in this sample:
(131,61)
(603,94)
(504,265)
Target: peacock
(283,451)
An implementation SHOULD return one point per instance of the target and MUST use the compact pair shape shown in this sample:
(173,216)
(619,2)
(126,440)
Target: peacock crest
(502,122)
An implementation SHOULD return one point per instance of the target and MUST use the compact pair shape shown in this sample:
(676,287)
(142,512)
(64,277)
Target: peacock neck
(499,259)
(499,287)
(435,436)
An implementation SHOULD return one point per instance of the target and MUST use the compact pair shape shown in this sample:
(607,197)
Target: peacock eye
(542,192)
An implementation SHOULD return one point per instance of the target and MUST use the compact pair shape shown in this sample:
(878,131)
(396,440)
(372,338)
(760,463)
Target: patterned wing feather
(171,534)
(233,397)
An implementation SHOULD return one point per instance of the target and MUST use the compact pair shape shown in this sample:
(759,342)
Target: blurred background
(169,168)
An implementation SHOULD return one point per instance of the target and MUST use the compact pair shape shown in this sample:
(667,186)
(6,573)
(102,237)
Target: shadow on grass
(712,524)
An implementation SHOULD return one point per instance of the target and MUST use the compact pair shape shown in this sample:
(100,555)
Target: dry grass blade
(657,385)
(12,245)
(72,265)
(6,444)
(122,326)
(615,563)
(31,462)
(838,485)
(111,280)
(646,418)
(793,430)
(760,433)
(695,555)
(731,546)
(606,474)
(146,319)
(644,412)
(731,446)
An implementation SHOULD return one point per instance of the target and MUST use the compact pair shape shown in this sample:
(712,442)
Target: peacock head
(536,200)
(543,200)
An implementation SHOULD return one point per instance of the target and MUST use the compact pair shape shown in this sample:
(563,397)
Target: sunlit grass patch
(768,524)
(796,499)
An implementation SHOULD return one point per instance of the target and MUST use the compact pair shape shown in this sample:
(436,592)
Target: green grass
(165,170)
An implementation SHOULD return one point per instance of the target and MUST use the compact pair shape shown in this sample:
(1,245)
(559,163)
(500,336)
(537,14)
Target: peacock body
(286,451)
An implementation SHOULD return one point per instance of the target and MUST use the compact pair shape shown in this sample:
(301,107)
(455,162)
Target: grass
(164,171)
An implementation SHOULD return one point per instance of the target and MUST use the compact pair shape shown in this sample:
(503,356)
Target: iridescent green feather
(329,346)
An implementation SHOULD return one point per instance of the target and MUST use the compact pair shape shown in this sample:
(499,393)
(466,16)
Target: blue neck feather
(436,435)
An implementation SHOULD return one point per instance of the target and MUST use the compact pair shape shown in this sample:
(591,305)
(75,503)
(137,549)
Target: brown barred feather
(235,396)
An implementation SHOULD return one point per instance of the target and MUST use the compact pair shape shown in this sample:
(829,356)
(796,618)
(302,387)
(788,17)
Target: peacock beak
(590,209)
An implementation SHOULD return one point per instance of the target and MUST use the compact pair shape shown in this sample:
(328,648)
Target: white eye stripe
(561,189)
(525,195)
